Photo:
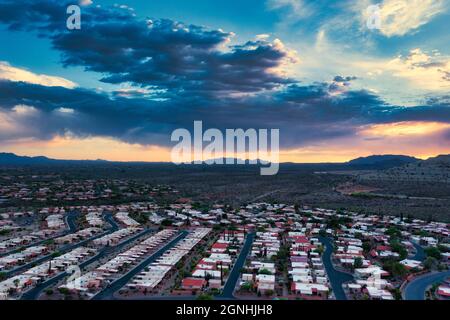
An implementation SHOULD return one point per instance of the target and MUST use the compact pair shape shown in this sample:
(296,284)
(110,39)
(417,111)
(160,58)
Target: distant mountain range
(375,161)
(12,159)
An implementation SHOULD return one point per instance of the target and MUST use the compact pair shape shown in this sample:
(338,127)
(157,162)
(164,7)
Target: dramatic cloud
(11,73)
(165,74)
(161,54)
(304,114)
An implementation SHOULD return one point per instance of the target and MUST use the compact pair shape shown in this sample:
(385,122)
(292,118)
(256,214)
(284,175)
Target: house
(193,284)
(411,264)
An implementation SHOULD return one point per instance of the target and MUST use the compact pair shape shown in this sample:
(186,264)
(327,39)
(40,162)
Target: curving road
(420,252)
(337,278)
(415,290)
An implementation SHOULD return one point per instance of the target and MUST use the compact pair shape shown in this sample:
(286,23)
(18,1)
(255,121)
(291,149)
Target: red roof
(207,262)
(193,283)
(220,245)
(443,293)
(300,239)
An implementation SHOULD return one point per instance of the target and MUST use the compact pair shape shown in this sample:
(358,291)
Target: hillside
(435,169)
(375,162)
(391,160)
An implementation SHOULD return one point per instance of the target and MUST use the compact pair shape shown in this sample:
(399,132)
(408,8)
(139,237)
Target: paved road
(107,293)
(415,290)
(337,278)
(420,253)
(233,277)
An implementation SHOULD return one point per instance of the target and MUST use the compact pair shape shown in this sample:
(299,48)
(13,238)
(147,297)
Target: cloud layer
(176,73)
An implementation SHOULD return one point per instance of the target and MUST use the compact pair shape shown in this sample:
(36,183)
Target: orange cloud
(419,139)
(89,148)
(407,128)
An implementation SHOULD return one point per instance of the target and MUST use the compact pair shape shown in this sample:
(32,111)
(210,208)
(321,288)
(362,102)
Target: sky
(339,79)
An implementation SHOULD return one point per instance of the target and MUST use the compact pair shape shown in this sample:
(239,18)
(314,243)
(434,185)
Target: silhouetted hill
(11,159)
(389,160)
(436,169)
(376,162)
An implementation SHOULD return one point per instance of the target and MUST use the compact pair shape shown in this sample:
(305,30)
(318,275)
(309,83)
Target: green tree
(358,263)
(265,271)
(430,263)
(400,249)
(433,252)
(205,296)
(366,246)
(166,222)
(395,268)
(393,232)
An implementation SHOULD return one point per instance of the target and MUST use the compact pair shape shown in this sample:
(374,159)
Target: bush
(64,291)
(358,263)
(265,271)
(166,222)
(433,253)
(430,263)
(395,268)
(269,293)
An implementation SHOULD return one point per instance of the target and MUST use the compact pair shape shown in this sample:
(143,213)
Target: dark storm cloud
(303,114)
(163,53)
(180,73)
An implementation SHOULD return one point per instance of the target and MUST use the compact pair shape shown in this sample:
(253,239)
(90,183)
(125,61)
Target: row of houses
(13,243)
(369,277)
(151,278)
(260,273)
(31,277)
(369,281)
(55,221)
(116,237)
(307,272)
(28,254)
(78,236)
(94,218)
(125,219)
(96,278)
(210,272)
